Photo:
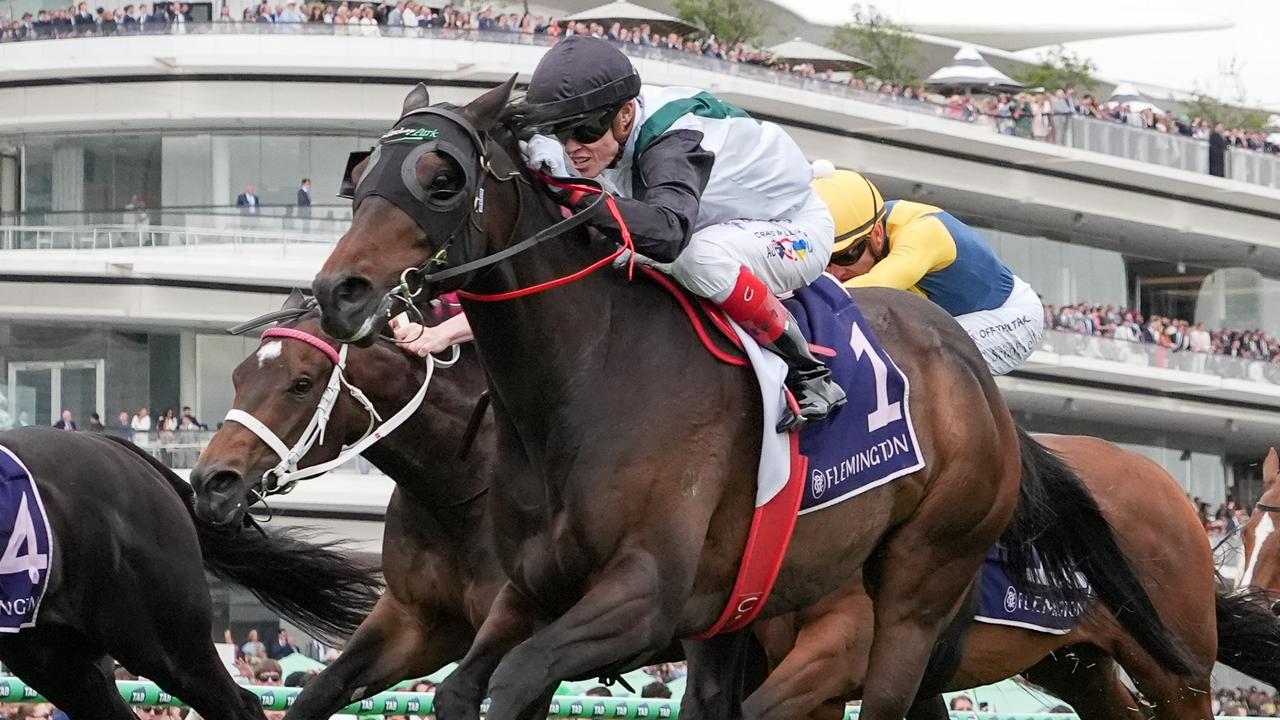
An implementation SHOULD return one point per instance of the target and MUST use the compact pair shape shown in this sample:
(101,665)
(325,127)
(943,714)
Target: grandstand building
(124,253)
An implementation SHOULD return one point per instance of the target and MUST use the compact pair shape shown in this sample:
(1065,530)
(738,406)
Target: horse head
(282,386)
(1260,541)
(418,205)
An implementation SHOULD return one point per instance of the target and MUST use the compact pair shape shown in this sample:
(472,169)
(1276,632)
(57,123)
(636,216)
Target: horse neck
(422,455)
(541,341)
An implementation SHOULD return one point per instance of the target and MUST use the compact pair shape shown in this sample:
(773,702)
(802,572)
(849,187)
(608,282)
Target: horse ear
(297,299)
(417,99)
(485,110)
(1270,467)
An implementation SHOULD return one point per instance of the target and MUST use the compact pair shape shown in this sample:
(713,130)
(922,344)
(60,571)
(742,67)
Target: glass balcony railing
(172,228)
(1147,355)
(1077,131)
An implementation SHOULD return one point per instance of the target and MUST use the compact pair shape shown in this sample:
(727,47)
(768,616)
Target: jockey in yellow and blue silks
(926,250)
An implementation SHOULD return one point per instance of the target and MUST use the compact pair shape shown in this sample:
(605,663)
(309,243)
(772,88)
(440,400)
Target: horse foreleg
(930,708)
(618,623)
(828,659)
(512,619)
(68,669)
(713,688)
(395,642)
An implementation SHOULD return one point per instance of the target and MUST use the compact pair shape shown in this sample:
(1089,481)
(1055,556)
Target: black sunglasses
(585,130)
(850,255)
(269,677)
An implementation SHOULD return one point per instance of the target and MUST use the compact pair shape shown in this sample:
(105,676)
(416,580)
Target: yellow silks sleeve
(918,248)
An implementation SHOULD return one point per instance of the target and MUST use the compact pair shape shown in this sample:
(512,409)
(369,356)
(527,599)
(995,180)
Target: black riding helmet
(579,85)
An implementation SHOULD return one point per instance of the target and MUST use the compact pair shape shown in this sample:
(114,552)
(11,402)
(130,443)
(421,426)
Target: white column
(220,181)
(68,177)
(187,389)
(10,196)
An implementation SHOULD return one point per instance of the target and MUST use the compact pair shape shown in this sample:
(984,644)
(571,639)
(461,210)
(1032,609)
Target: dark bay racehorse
(607,406)
(128,581)
(440,570)
(822,666)
(1156,527)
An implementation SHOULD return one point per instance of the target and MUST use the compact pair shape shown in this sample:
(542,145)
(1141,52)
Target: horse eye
(444,185)
(301,386)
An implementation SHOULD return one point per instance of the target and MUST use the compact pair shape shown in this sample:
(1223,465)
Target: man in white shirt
(1201,341)
(141,425)
(248,201)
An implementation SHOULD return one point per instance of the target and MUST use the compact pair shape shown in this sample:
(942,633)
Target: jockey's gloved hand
(545,154)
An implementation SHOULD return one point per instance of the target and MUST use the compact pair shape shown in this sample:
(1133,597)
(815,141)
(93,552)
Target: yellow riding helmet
(856,205)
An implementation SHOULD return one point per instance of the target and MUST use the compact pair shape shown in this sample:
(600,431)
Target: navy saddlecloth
(27,543)
(1034,607)
(869,441)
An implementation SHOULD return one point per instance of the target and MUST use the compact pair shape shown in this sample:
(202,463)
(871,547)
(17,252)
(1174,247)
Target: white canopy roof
(625,12)
(968,70)
(821,57)
(1126,94)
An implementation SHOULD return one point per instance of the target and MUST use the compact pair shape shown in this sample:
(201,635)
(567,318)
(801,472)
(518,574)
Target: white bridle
(286,474)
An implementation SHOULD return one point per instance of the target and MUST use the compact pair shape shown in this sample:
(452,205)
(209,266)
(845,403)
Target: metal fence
(1077,131)
(179,449)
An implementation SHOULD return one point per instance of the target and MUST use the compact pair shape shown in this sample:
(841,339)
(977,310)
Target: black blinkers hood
(391,173)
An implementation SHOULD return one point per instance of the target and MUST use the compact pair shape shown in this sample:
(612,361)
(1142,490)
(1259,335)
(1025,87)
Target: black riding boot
(807,378)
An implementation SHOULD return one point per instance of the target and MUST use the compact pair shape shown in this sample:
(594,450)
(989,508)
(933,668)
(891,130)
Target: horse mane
(506,136)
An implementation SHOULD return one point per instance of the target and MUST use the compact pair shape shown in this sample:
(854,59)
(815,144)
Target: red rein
(551,284)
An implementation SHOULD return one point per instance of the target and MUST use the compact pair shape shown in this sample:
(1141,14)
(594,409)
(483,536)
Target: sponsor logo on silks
(789,248)
(399,135)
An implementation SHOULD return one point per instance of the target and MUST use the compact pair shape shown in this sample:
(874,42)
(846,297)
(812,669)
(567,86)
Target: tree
(1214,110)
(1231,111)
(888,46)
(1060,69)
(730,21)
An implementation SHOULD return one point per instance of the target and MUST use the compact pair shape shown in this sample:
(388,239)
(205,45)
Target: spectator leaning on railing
(1170,333)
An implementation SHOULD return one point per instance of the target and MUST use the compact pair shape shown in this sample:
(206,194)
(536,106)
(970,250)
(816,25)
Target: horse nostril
(352,292)
(217,482)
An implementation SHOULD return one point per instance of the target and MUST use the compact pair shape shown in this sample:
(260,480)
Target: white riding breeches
(786,253)
(1008,334)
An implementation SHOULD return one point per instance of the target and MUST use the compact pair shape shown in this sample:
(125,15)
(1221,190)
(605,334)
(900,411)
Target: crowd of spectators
(1043,115)
(131,426)
(1228,517)
(1171,333)
(1239,702)
(1040,115)
(379,18)
(80,21)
